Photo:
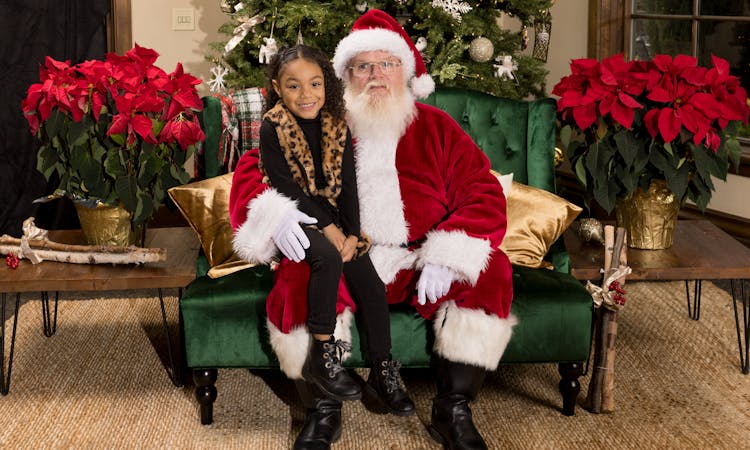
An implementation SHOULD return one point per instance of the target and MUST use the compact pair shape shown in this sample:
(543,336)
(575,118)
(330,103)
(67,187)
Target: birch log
(37,250)
(608,385)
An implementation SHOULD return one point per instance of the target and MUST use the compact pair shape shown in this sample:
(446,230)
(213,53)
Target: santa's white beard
(379,117)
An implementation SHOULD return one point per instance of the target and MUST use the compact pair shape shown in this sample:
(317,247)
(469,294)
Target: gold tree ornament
(481,49)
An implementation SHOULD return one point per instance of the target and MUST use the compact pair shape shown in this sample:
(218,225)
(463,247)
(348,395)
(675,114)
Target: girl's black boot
(323,368)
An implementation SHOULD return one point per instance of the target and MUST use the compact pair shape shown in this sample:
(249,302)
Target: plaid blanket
(249,112)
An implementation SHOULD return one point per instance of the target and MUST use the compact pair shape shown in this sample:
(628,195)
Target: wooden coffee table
(701,251)
(175,273)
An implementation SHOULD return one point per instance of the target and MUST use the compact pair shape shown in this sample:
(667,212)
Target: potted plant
(625,125)
(117,132)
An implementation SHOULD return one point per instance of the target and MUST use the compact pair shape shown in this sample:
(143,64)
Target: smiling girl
(306,154)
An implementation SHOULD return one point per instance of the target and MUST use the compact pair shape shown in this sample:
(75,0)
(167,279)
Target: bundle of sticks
(609,298)
(36,247)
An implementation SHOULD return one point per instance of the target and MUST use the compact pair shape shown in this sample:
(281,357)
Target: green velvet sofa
(223,319)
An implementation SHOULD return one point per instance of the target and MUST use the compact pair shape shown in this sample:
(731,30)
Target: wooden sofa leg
(569,385)
(205,392)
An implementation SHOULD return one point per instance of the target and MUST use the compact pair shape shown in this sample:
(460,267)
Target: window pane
(729,40)
(725,7)
(664,6)
(651,36)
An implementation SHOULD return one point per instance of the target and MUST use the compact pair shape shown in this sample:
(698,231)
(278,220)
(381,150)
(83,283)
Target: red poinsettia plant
(116,131)
(624,124)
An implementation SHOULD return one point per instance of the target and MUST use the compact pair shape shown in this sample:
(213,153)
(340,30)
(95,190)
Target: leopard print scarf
(299,157)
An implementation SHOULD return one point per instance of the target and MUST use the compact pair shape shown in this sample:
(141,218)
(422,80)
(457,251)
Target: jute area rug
(100,382)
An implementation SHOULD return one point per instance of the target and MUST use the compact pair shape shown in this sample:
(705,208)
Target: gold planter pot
(108,225)
(649,217)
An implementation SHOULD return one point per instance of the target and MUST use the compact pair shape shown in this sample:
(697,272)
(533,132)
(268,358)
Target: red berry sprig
(619,296)
(12,260)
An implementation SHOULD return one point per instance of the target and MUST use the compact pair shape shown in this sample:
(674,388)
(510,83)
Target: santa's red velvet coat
(428,197)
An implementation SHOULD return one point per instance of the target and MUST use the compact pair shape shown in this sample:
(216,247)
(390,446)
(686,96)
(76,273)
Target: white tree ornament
(267,50)
(241,30)
(216,84)
(506,67)
(453,7)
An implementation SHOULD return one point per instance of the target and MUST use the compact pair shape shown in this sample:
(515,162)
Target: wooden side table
(176,272)
(701,251)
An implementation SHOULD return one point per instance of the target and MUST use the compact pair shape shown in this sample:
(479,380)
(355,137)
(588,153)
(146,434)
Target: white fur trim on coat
(471,336)
(369,40)
(467,256)
(388,261)
(291,348)
(381,208)
(252,240)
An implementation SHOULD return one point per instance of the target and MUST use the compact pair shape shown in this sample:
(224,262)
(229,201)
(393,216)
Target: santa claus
(435,216)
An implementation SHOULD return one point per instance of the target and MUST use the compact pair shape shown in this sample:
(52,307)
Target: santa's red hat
(376,30)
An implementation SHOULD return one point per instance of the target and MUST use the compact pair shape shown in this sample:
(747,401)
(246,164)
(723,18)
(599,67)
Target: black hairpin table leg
(49,321)
(5,373)
(742,323)
(173,371)
(694,310)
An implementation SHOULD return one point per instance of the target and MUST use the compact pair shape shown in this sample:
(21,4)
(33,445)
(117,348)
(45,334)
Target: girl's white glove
(434,282)
(289,236)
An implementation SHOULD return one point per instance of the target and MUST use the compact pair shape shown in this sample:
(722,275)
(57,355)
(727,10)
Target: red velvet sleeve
(247,183)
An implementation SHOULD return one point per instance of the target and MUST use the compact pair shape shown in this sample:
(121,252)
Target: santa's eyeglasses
(365,69)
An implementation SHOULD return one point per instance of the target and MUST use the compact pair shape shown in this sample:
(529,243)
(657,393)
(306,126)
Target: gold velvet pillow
(536,218)
(205,205)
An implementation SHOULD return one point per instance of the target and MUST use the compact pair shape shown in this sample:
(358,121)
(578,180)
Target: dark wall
(72,30)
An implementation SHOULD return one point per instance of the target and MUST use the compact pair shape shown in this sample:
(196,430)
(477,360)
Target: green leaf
(78,157)
(46,160)
(598,162)
(663,162)
(565,133)
(628,179)
(679,182)
(700,193)
(150,165)
(78,132)
(127,191)
(628,147)
(144,208)
(706,163)
(118,138)
(605,193)
(98,152)
(580,170)
(54,123)
(734,150)
(113,164)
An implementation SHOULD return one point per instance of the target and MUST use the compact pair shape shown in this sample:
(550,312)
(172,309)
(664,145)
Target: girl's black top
(280,176)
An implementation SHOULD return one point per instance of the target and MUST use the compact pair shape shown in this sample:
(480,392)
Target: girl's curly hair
(334,101)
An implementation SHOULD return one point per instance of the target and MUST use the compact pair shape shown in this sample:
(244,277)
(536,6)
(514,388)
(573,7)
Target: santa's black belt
(412,244)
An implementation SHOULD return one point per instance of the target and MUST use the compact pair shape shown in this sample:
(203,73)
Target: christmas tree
(460,41)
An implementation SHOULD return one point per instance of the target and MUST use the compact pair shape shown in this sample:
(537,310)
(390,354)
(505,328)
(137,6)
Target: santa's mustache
(376,84)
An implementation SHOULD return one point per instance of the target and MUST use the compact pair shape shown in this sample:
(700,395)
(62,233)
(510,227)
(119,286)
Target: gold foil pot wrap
(107,225)
(649,217)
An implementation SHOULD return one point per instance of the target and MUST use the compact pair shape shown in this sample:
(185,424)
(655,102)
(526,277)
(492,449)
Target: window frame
(119,27)
(609,34)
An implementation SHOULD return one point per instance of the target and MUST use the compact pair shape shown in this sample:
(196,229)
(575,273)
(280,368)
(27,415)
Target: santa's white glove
(434,282)
(289,236)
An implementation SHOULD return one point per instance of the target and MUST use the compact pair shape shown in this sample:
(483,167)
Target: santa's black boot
(323,367)
(452,425)
(322,425)
(384,384)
